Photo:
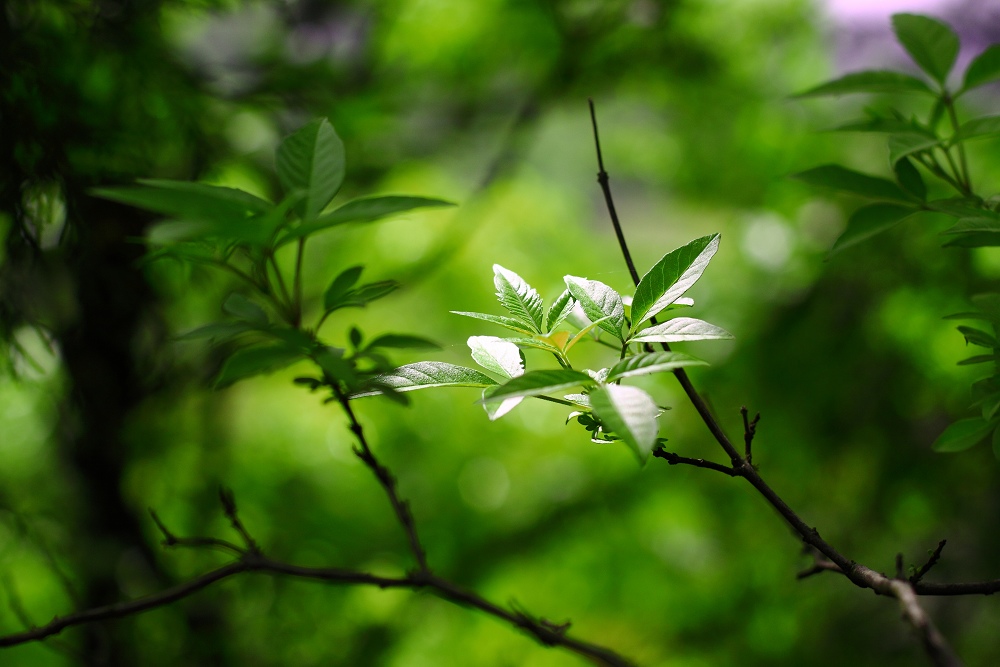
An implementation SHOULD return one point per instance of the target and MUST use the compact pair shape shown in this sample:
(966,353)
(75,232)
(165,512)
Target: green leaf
(428,374)
(978,359)
(537,342)
(978,337)
(991,404)
(507,322)
(496,410)
(977,128)
(536,383)
(559,310)
(340,286)
(670,277)
(902,145)
(255,361)
(630,413)
(958,207)
(366,209)
(243,308)
(312,160)
(582,334)
(680,329)
(362,296)
(519,298)
(974,225)
(996,444)
(599,301)
(885,125)
(847,180)
(870,220)
(984,68)
(331,360)
(932,44)
(497,355)
(961,435)
(910,178)
(985,240)
(218,330)
(870,81)
(402,341)
(653,362)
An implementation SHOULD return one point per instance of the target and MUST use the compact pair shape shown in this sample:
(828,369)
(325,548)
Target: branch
(674,459)
(862,576)
(931,562)
(252,560)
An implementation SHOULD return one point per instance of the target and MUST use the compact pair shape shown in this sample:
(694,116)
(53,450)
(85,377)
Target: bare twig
(749,431)
(931,562)
(674,459)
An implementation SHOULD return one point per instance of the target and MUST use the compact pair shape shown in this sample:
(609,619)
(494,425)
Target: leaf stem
(297,306)
(949,104)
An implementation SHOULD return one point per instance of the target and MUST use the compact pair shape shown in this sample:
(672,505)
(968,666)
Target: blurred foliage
(483,103)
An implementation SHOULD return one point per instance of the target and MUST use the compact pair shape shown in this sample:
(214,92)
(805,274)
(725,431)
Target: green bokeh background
(483,103)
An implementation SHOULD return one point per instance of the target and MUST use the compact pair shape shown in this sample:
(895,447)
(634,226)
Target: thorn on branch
(935,556)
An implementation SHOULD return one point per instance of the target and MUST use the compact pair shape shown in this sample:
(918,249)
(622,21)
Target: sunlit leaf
(870,81)
(559,310)
(932,44)
(537,383)
(962,434)
(426,375)
(680,329)
(582,333)
(630,413)
(312,160)
(870,220)
(671,276)
(599,302)
(497,355)
(496,410)
(502,320)
(653,362)
(519,298)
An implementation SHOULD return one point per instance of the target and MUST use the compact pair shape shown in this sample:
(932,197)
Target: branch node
(935,556)
(169,539)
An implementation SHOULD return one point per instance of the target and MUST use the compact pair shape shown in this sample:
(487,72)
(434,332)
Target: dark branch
(674,459)
(749,431)
(931,562)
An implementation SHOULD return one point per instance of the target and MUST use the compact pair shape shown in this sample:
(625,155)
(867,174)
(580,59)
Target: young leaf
(402,341)
(910,178)
(870,220)
(519,298)
(984,68)
(536,383)
(680,329)
(341,285)
(932,44)
(599,302)
(847,180)
(506,322)
(630,413)
(653,362)
(239,306)
(312,160)
(901,145)
(559,310)
(962,434)
(496,410)
(978,127)
(367,209)
(581,334)
(670,277)
(497,355)
(254,361)
(537,342)
(428,374)
(870,81)
(362,296)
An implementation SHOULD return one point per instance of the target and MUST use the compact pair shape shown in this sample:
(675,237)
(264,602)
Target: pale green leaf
(671,276)
(497,355)
(506,322)
(519,298)
(496,410)
(537,383)
(653,362)
(559,310)
(680,329)
(599,302)
(630,413)
(426,375)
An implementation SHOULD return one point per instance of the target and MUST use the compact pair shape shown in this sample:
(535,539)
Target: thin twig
(749,431)
(931,562)
(674,459)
